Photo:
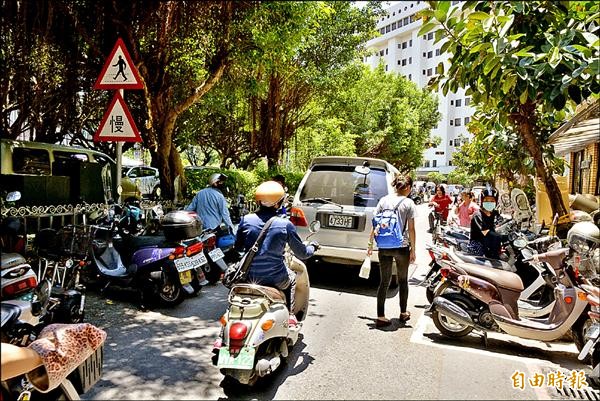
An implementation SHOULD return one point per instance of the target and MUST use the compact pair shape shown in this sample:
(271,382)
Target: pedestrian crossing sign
(117,124)
(119,72)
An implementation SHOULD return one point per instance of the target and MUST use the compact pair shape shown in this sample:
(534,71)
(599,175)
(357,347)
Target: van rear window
(341,184)
(31,161)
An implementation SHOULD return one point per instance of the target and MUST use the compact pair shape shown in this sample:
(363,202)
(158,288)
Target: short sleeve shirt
(406,211)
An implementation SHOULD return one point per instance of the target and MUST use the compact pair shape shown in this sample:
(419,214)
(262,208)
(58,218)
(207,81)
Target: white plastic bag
(365,269)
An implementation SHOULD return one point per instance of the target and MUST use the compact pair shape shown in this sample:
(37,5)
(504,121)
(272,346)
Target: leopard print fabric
(62,348)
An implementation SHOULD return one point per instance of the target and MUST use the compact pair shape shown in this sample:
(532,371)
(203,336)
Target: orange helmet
(269,193)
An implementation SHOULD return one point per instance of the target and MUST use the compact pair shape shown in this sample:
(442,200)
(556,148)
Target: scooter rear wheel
(170,293)
(446,325)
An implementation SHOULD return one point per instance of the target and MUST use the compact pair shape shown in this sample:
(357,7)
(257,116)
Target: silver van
(341,192)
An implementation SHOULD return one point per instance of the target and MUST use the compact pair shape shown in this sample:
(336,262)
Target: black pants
(386,257)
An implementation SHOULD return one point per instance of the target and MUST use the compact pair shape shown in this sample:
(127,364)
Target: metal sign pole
(119,163)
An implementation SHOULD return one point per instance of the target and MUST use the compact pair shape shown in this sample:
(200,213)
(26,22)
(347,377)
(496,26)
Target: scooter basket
(89,372)
(74,240)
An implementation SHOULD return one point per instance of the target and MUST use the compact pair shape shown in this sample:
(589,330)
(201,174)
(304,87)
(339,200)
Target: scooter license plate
(216,254)
(192,262)
(185,277)
(241,360)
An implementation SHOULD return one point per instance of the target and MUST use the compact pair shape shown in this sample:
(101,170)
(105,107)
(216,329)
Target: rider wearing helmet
(483,237)
(210,204)
(268,266)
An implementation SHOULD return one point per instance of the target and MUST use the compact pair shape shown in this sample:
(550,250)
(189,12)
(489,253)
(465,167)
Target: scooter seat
(9,260)
(501,278)
(10,313)
(483,261)
(254,289)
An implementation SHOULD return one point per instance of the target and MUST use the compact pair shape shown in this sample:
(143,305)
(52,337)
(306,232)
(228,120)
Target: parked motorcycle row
(541,288)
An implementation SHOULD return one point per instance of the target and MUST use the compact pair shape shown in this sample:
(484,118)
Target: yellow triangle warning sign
(117,124)
(119,72)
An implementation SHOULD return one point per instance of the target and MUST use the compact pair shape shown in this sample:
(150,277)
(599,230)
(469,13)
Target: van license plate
(336,220)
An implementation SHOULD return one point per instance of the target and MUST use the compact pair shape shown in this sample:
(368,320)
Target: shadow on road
(265,388)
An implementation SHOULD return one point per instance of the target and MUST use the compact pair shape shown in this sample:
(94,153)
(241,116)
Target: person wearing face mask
(484,241)
(210,204)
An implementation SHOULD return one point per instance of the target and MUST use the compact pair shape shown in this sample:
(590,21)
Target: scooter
(167,267)
(214,255)
(256,334)
(19,327)
(485,300)
(590,352)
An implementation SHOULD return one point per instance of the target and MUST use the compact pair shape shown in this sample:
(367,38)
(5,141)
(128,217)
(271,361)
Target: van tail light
(177,253)
(194,249)
(19,287)
(298,218)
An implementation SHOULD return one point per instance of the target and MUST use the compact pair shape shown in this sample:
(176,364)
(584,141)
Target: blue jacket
(268,267)
(211,206)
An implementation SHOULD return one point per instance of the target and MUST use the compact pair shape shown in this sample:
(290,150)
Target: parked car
(146,178)
(49,174)
(341,193)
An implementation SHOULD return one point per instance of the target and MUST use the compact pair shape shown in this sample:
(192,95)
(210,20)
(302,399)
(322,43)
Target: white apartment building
(403,51)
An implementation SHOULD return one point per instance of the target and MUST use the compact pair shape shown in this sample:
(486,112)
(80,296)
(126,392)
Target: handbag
(239,270)
(365,269)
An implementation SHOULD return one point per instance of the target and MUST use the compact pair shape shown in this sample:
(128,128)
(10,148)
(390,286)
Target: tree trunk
(534,148)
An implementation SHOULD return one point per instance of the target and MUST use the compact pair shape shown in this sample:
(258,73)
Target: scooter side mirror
(13,196)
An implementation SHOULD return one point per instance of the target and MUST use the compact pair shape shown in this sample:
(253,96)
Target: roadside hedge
(238,181)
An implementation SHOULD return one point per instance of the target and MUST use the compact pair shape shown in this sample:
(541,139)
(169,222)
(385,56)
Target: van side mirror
(364,170)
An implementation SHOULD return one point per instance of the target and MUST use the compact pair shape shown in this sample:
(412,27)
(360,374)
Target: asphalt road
(165,353)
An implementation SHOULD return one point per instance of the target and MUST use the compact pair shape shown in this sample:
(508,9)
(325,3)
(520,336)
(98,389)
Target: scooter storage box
(180,225)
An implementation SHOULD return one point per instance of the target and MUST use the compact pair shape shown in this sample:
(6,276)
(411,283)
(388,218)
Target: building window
(467,101)
(412,18)
(434,163)
(440,153)
(424,54)
(399,45)
(451,102)
(386,51)
(430,36)
(404,62)
(410,60)
(410,43)
(452,122)
(456,121)
(381,53)
(437,52)
(450,162)
(386,67)
(450,142)
(429,72)
(424,72)
(399,23)
(382,31)
(404,45)
(458,102)
(393,25)
(387,29)
(398,62)
(467,119)
(405,20)
(424,37)
(430,54)
(426,164)
(409,76)
(394,13)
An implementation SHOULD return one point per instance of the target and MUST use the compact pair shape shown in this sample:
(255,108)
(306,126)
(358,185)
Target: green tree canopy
(526,63)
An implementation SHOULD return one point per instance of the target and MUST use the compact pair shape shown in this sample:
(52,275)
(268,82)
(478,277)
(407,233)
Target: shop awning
(583,129)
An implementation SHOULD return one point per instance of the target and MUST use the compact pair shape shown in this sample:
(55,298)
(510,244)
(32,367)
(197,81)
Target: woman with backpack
(394,232)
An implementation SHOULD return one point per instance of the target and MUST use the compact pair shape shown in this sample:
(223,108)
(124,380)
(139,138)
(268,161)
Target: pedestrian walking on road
(404,254)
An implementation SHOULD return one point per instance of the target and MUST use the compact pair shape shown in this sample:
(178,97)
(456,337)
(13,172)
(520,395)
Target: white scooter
(256,334)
